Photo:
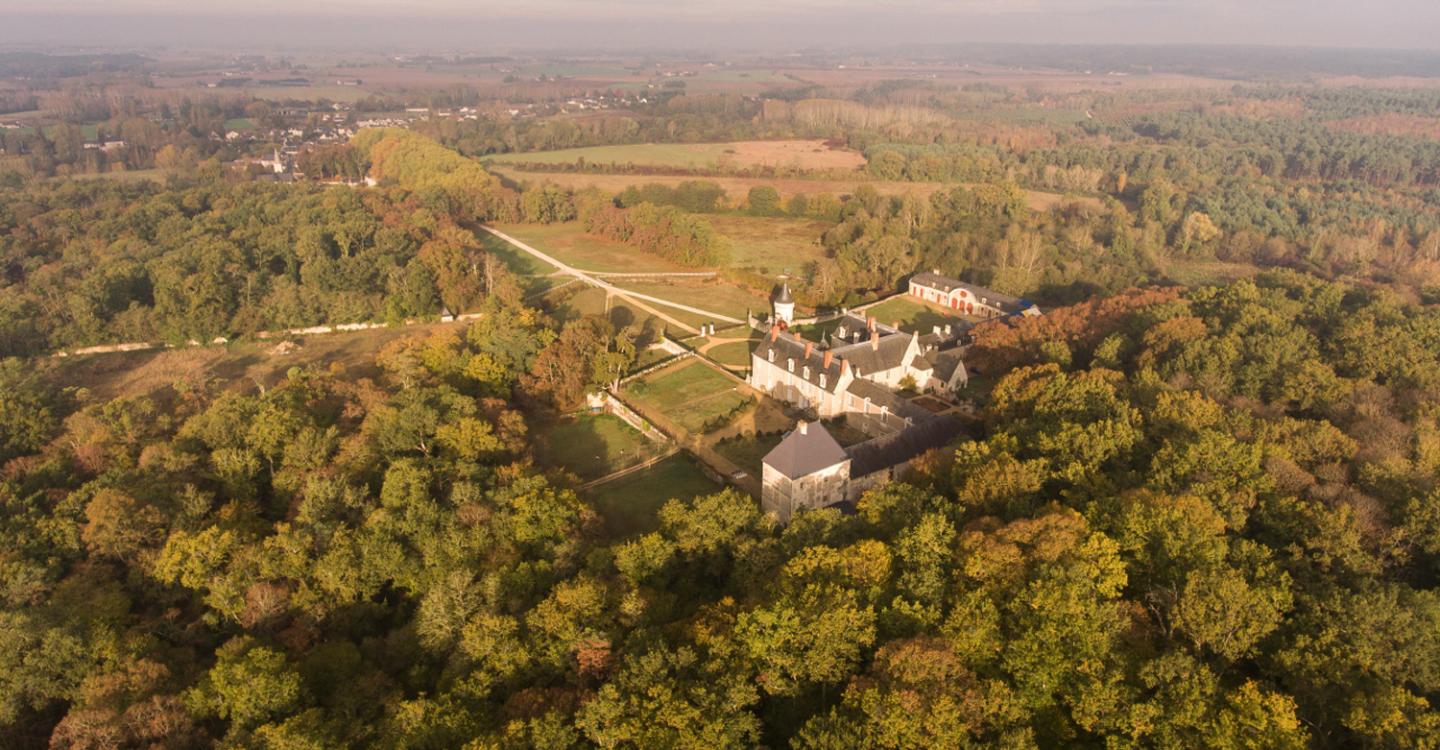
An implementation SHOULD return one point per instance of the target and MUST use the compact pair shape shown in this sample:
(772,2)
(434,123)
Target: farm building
(967,298)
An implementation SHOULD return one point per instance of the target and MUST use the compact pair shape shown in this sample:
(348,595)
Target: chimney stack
(844,366)
(809,347)
(829,357)
(774,333)
(870,322)
(874,339)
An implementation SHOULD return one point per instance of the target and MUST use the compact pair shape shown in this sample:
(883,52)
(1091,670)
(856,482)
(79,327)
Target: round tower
(784,306)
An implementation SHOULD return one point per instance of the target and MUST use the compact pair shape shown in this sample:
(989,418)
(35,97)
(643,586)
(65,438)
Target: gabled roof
(946,284)
(807,449)
(886,354)
(787,346)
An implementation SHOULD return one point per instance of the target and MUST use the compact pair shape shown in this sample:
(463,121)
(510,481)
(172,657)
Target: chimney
(896,326)
(874,339)
(774,332)
(809,348)
(870,322)
(829,357)
(844,366)
(804,428)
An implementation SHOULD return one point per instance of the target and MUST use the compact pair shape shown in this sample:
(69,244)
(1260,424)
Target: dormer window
(806,372)
(771,354)
(822,380)
(790,363)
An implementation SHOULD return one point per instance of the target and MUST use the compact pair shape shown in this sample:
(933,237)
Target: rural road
(635,297)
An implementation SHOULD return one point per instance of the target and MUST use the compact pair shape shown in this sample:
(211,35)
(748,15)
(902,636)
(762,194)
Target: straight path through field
(635,297)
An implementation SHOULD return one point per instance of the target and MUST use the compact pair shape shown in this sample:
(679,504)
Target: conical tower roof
(784,298)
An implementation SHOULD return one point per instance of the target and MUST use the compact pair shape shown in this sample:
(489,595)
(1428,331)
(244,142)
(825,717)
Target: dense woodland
(1191,517)
(1184,516)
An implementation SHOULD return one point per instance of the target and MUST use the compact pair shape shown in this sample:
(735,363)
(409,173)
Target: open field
(517,260)
(708,294)
(590,445)
(804,154)
(590,300)
(770,245)
(240,365)
(911,315)
(133,175)
(737,187)
(692,395)
(630,505)
(568,243)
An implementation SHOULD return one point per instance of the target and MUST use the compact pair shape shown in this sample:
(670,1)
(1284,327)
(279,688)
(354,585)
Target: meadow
(801,154)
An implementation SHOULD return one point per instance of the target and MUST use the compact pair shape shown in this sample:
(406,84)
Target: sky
(717,24)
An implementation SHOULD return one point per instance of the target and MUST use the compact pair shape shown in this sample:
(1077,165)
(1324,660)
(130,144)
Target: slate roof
(879,396)
(889,354)
(789,346)
(944,363)
(807,449)
(946,284)
(897,447)
(784,295)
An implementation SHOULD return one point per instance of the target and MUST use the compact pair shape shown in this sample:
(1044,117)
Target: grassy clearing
(517,260)
(590,445)
(1202,272)
(805,154)
(568,243)
(133,175)
(770,245)
(911,315)
(706,294)
(737,187)
(693,396)
(630,505)
(623,313)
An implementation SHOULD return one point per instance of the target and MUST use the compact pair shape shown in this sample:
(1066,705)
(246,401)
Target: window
(805,373)
(822,380)
(771,353)
(791,364)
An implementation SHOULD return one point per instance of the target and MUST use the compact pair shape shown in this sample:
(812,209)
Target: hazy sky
(753,24)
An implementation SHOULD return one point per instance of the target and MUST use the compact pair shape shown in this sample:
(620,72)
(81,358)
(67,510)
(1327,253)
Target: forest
(1188,517)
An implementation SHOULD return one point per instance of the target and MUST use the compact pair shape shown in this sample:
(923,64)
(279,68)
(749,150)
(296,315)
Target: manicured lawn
(591,445)
(734,353)
(692,395)
(630,505)
(912,316)
(568,242)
